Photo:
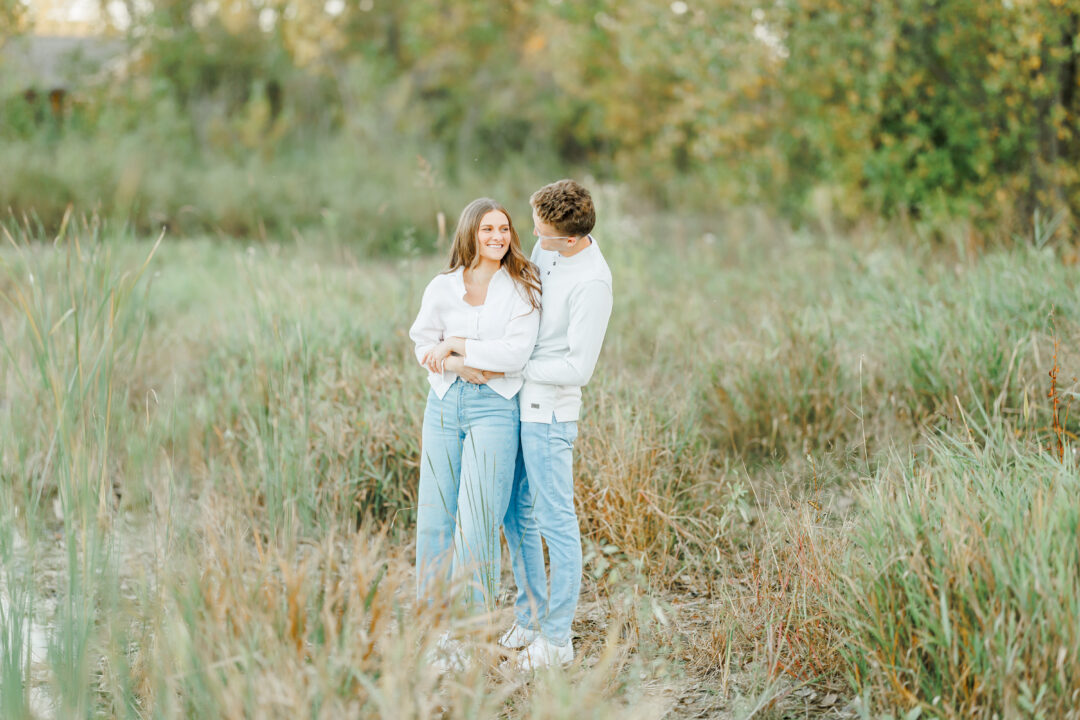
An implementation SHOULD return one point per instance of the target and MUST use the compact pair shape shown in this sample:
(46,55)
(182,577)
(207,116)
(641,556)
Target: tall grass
(208,533)
(887,348)
(76,334)
(16,613)
(961,590)
(210,508)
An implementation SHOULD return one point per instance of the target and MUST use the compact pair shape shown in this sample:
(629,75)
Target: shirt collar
(580,256)
(459,281)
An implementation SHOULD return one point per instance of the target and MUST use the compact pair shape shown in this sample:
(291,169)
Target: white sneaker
(542,653)
(517,637)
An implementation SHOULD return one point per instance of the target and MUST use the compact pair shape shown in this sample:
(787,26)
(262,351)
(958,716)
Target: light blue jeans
(467,458)
(542,506)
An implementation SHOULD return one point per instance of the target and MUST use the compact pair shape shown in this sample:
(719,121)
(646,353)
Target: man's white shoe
(517,637)
(542,653)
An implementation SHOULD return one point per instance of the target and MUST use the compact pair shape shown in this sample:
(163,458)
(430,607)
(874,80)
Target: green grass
(961,586)
(793,448)
(370,195)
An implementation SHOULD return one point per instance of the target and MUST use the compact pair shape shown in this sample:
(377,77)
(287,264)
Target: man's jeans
(542,505)
(467,458)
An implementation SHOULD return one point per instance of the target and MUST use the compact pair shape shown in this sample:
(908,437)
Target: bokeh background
(365,119)
(826,465)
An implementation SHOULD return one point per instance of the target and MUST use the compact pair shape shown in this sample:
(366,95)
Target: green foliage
(956,108)
(959,107)
(377,198)
(12,18)
(961,597)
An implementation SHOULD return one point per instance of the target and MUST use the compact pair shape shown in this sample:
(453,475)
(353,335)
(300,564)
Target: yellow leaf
(535,43)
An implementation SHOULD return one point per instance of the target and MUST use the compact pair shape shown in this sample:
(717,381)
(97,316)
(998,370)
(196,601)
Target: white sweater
(499,335)
(576,306)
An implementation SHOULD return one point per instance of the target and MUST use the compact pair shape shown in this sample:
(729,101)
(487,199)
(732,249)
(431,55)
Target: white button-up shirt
(499,335)
(576,307)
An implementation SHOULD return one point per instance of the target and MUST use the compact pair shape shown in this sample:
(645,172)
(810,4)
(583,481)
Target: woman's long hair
(464,251)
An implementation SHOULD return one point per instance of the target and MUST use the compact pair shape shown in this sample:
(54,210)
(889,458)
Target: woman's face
(493,237)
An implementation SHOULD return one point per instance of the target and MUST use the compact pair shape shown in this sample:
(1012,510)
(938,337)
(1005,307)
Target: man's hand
(456,364)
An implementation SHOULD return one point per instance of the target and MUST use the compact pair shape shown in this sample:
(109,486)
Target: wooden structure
(46,70)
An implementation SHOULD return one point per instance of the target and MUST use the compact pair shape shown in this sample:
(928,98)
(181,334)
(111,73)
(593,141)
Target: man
(576,306)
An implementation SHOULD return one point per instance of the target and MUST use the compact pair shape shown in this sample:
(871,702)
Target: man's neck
(586,241)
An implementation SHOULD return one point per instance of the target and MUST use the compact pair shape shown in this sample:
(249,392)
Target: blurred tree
(13,19)
(957,106)
(895,106)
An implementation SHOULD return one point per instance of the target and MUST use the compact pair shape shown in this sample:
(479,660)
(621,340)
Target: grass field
(818,476)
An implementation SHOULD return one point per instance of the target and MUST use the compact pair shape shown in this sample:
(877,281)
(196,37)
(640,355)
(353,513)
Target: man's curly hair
(566,206)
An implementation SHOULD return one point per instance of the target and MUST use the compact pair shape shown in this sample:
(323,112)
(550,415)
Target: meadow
(819,474)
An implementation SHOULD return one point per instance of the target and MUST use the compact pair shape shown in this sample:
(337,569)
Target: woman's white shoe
(542,653)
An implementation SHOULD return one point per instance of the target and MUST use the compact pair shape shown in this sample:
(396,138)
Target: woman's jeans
(542,505)
(468,452)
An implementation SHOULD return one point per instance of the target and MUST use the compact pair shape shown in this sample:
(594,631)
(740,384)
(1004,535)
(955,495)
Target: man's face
(550,238)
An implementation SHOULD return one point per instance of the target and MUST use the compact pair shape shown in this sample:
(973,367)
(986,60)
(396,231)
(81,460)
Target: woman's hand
(456,364)
(435,357)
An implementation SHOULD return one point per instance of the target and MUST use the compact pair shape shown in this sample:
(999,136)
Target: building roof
(49,62)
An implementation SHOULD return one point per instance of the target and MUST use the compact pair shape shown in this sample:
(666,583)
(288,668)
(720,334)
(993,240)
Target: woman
(480,314)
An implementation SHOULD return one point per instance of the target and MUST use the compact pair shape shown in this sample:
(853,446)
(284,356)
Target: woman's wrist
(452,363)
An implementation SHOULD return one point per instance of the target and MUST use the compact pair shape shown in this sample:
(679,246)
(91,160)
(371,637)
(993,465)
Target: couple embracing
(508,343)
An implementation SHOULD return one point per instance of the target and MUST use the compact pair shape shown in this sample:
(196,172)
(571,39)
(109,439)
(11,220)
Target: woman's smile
(493,236)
